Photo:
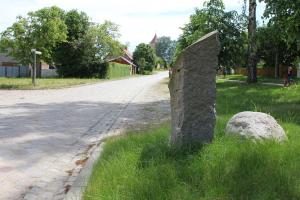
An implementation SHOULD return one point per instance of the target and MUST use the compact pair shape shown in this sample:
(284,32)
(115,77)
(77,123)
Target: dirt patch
(81,162)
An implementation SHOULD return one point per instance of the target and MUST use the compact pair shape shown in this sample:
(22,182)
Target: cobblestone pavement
(45,134)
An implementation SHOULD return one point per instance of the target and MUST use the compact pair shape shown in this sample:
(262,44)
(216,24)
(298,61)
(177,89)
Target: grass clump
(144,166)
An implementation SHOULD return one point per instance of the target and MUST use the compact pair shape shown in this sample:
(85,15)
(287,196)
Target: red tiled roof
(122,60)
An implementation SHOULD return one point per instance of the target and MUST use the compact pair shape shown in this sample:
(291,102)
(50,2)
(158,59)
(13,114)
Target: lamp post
(35,52)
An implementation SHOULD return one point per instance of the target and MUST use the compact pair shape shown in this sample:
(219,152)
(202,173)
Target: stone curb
(81,181)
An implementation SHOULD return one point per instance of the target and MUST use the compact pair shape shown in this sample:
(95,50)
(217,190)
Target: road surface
(44,134)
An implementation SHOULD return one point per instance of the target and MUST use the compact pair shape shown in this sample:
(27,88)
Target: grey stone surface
(81,181)
(193,92)
(255,125)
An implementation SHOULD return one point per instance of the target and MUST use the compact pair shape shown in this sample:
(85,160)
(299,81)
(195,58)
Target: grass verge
(143,166)
(259,78)
(42,83)
(49,83)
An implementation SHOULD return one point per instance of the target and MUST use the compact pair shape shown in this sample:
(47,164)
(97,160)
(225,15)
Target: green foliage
(165,48)
(280,39)
(68,55)
(69,40)
(231,28)
(102,41)
(42,30)
(143,166)
(144,57)
(162,62)
(286,16)
(117,70)
(270,44)
(83,55)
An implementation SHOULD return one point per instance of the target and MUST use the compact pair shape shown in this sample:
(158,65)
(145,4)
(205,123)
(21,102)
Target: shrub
(144,53)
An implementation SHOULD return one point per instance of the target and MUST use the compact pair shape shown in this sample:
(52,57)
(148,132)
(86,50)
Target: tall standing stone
(193,92)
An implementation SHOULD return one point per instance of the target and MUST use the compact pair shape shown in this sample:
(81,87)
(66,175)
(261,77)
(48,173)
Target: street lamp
(35,52)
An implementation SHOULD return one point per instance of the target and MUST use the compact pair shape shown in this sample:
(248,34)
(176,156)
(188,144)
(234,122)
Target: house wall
(14,71)
(47,73)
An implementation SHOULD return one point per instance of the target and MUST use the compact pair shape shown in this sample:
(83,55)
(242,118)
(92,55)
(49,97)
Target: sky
(139,20)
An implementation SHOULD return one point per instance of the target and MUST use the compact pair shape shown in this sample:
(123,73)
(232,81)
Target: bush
(94,70)
(144,57)
(116,70)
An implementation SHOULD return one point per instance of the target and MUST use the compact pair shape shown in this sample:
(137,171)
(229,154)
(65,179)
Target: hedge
(116,70)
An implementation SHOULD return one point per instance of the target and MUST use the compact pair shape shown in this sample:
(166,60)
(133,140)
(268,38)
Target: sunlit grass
(42,83)
(144,166)
(260,79)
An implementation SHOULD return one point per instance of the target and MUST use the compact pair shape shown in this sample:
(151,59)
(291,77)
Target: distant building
(7,60)
(9,67)
(154,41)
(125,59)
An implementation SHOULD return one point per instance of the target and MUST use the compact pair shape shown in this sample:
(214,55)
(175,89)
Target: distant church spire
(153,41)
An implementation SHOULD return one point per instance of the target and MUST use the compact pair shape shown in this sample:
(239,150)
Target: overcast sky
(139,20)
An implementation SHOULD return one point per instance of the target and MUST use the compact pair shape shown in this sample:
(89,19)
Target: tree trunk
(276,65)
(252,58)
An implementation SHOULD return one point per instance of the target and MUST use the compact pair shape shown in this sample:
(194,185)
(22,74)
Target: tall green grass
(144,166)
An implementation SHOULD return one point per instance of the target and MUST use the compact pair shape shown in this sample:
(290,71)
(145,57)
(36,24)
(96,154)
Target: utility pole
(33,73)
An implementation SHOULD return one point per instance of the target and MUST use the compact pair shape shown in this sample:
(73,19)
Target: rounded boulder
(255,125)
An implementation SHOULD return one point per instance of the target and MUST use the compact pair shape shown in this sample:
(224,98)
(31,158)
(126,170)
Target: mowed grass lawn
(144,166)
(43,83)
(259,79)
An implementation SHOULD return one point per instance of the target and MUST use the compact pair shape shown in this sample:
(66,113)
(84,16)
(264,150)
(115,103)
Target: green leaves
(165,48)
(144,57)
(41,30)
(77,46)
(231,28)
(286,15)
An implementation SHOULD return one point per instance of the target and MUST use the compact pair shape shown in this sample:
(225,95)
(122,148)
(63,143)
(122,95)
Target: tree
(91,49)
(165,48)
(68,54)
(252,57)
(162,62)
(42,30)
(231,28)
(286,16)
(273,49)
(144,53)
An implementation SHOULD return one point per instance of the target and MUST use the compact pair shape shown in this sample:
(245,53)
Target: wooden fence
(267,71)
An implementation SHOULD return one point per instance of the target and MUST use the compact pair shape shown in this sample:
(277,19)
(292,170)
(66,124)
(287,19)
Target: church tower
(153,41)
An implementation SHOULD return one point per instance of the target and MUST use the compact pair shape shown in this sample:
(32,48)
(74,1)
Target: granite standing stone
(193,92)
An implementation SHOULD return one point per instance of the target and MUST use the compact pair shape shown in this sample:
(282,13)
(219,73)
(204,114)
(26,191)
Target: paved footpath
(45,134)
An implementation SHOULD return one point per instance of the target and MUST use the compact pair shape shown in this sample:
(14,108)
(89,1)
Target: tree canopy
(286,16)
(69,40)
(165,48)
(42,30)
(144,57)
(231,28)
